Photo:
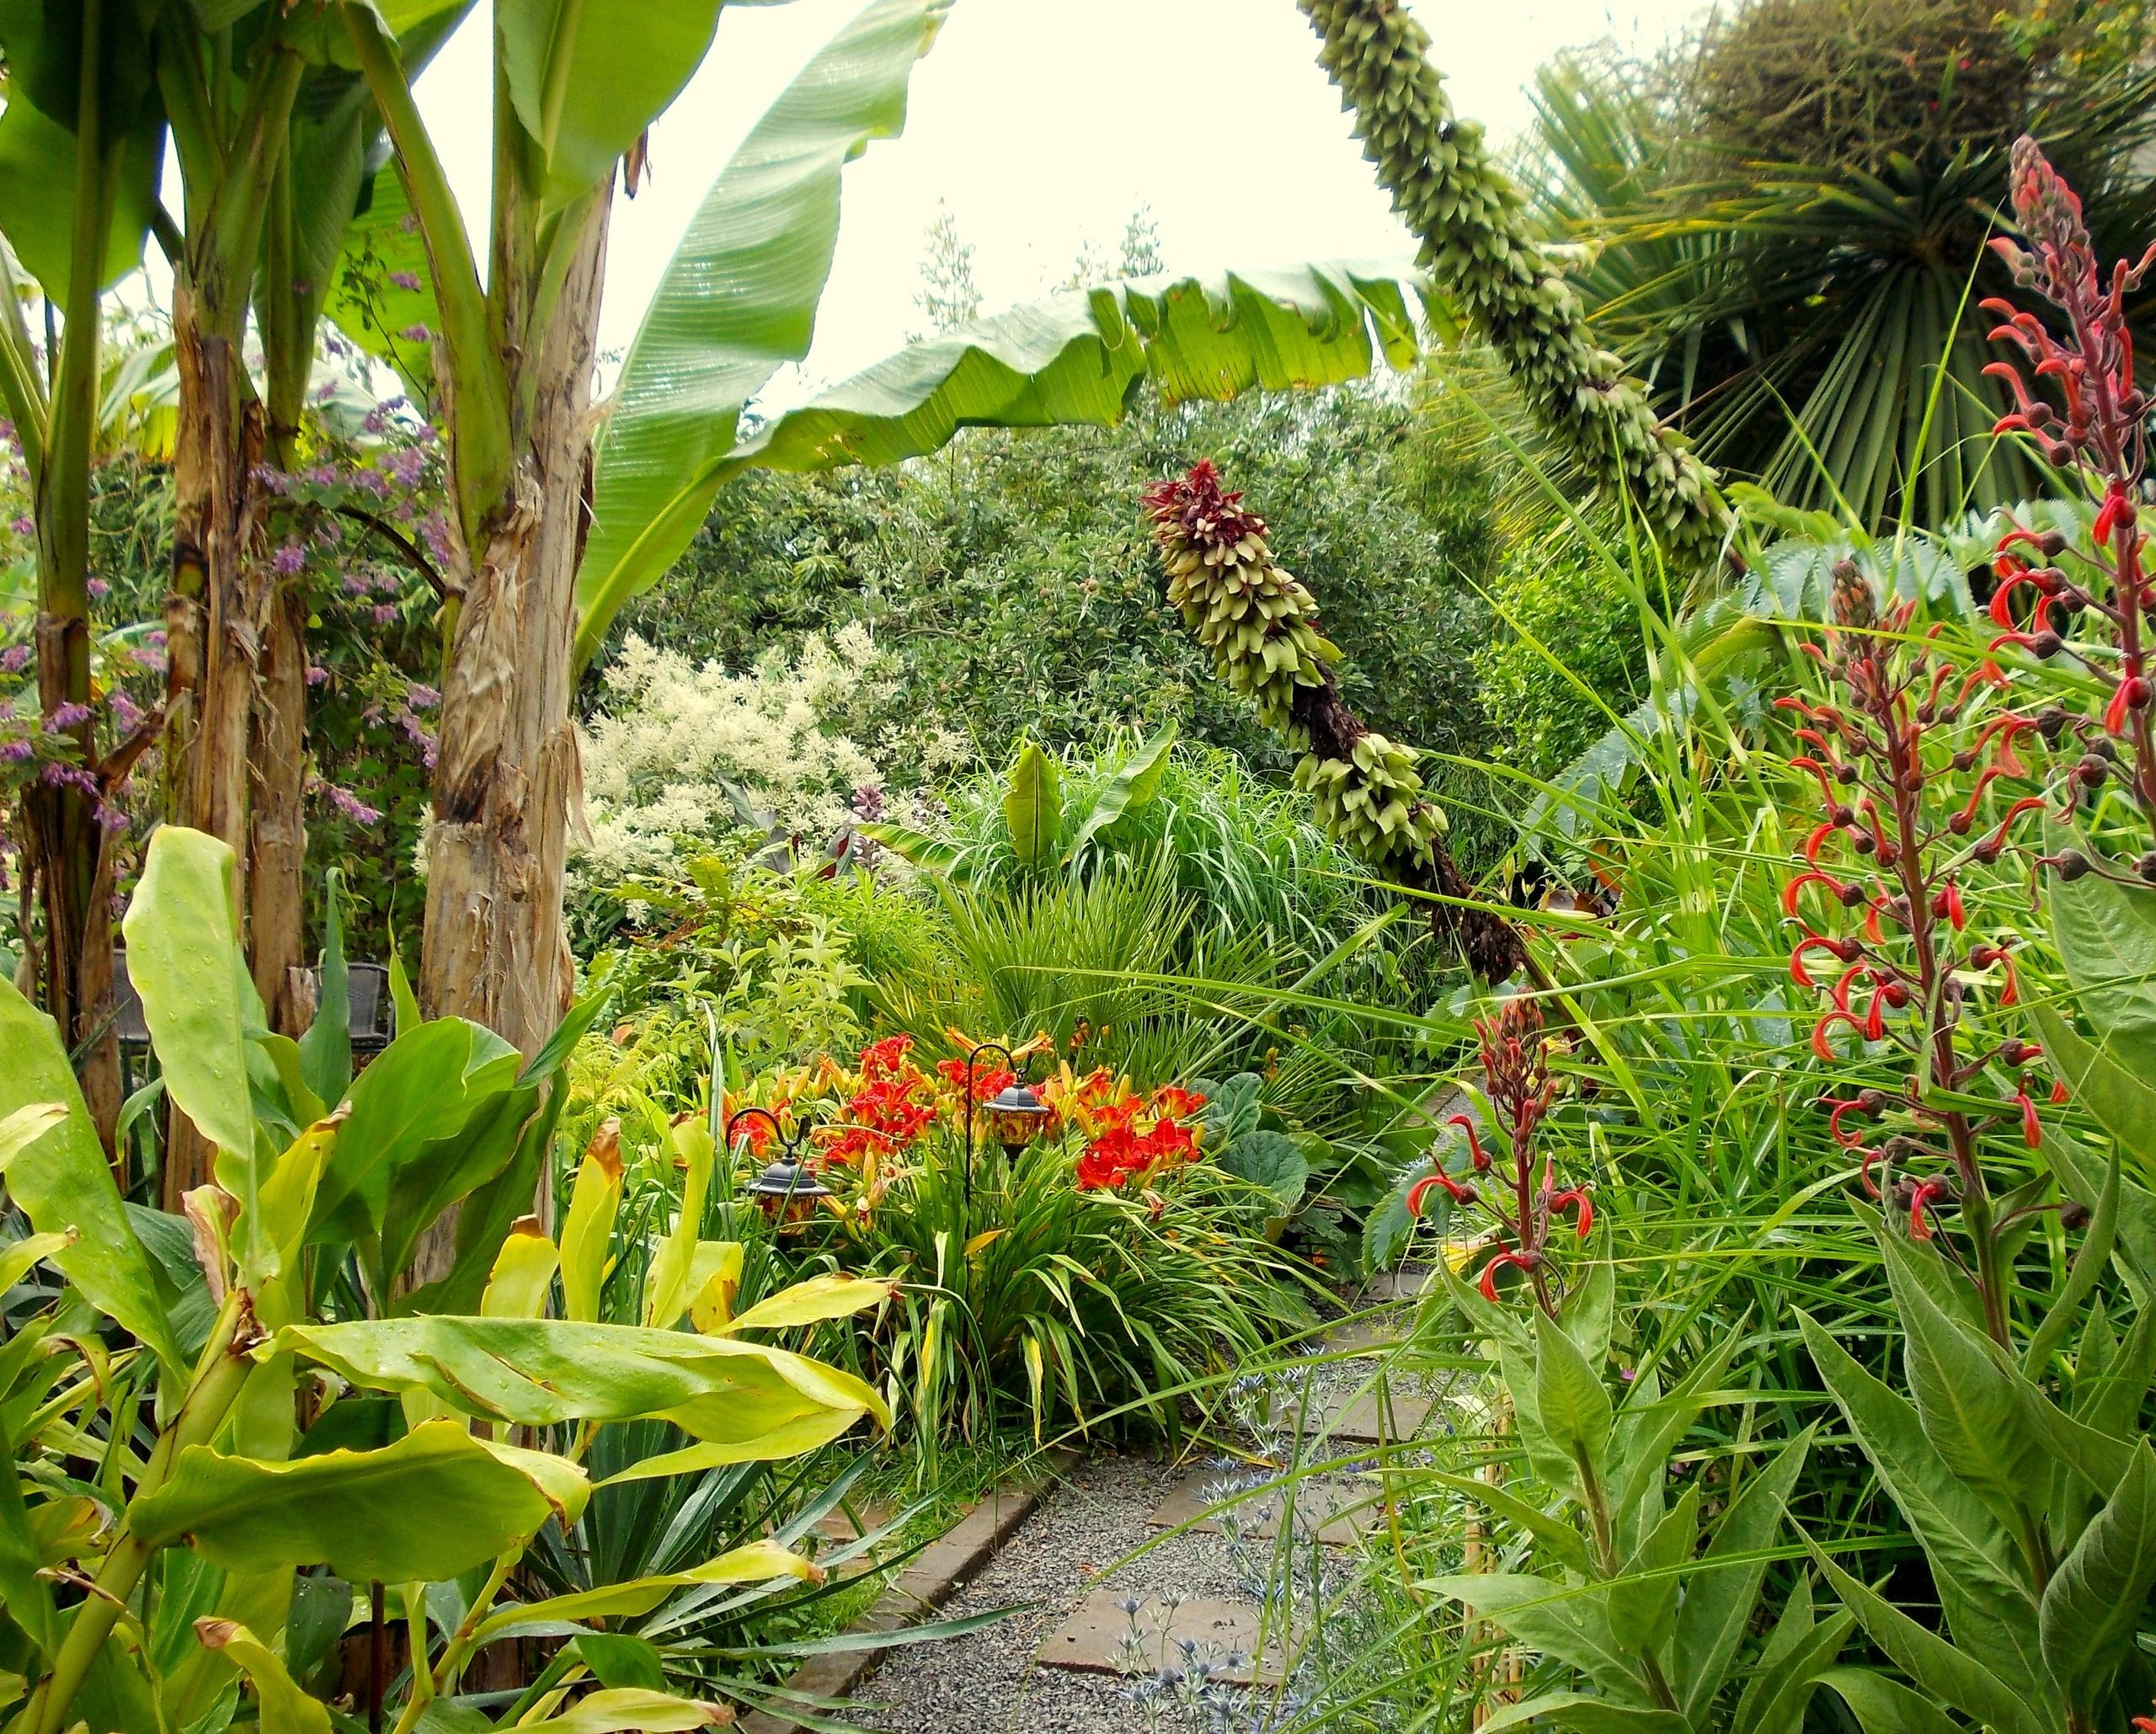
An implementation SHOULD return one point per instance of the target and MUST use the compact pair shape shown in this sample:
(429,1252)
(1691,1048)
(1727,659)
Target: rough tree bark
(506,770)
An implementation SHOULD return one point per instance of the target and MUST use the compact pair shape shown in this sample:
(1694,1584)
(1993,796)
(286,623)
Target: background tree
(1785,222)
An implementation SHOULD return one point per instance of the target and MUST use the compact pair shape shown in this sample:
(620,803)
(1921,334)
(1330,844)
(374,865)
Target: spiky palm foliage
(1812,324)
(1476,237)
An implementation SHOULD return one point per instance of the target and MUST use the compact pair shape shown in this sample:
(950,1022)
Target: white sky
(1043,125)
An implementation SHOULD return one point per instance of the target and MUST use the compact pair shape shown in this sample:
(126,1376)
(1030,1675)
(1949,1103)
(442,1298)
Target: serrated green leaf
(1721,1594)
(1569,1401)
(1571,1624)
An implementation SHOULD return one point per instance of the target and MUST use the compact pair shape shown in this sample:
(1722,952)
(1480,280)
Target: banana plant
(185,1517)
(1041,832)
(1643,1609)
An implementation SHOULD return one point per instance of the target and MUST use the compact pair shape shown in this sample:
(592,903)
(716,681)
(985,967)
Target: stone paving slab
(1343,1510)
(1361,1420)
(1098,1638)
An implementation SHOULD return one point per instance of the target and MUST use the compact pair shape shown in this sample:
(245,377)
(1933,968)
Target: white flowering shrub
(675,742)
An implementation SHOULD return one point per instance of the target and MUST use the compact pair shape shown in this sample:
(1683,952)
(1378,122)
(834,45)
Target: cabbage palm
(1813,325)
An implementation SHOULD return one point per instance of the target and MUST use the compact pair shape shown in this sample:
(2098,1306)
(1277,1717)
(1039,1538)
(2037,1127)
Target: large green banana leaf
(1074,359)
(62,1182)
(541,1372)
(436,1503)
(738,299)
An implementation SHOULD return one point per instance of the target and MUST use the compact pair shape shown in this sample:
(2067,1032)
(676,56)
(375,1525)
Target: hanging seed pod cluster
(1261,626)
(1468,217)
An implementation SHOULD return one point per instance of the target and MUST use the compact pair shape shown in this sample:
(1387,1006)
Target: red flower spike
(2032,1128)
(1820,1045)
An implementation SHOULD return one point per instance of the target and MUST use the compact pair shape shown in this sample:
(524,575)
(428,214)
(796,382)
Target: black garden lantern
(785,1192)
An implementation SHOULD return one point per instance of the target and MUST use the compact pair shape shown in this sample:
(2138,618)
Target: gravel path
(988,1682)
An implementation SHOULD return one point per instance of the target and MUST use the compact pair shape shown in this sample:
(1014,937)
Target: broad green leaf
(737,302)
(1774,1701)
(16,1257)
(1724,1589)
(37,191)
(1648,1427)
(325,1049)
(2106,932)
(618,1709)
(586,76)
(1134,784)
(1571,1624)
(2110,1081)
(287,1200)
(1553,1533)
(64,1184)
(1644,1598)
(445,1171)
(436,1503)
(1591,1311)
(183,957)
(281,1707)
(1949,1675)
(1032,805)
(621,1660)
(542,1371)
(758,1562)
(1271,1160)
(26,1125)
(1076,358)
(1967,1546)
(1588,1715)
(1885,1706)
(523,1272)
(423,1091)
(1572,1401)
(832,1296)
(1975,1410)
(931,854)
(2092,1607)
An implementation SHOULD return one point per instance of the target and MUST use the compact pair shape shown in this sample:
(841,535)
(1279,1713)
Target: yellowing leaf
(284,1708)
(632,1708)
(589,1228)
(758,1562)
(714,1279)
(830,1296)
(523,1270)
(26,1125)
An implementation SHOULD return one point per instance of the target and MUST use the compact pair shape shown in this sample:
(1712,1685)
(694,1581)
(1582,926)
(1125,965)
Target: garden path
(1104,1643)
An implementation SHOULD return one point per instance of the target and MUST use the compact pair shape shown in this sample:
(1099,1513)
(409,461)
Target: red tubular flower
(1488,1285)
(1420,1191)
(1820,1045)
(1845,950)
(1814,876)
(2032,1128)
(1576,1197)
(1474,1151)
(2059,1097)
(1920,1198)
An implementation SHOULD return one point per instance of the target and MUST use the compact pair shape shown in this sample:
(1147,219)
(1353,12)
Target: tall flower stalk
(1524,1206)
(1892,950)
(2098,429)
(1475,240)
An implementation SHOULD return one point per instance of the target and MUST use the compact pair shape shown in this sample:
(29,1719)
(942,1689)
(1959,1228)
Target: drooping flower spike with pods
(1885,931)
(1520,1089)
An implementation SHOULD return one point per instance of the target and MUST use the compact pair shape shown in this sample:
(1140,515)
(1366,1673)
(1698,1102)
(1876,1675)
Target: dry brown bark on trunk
(217,623)
(276,820)
(506,769)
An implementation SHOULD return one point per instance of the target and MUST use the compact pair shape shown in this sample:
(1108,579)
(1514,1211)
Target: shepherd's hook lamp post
(786,1181)
(1016,1114)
